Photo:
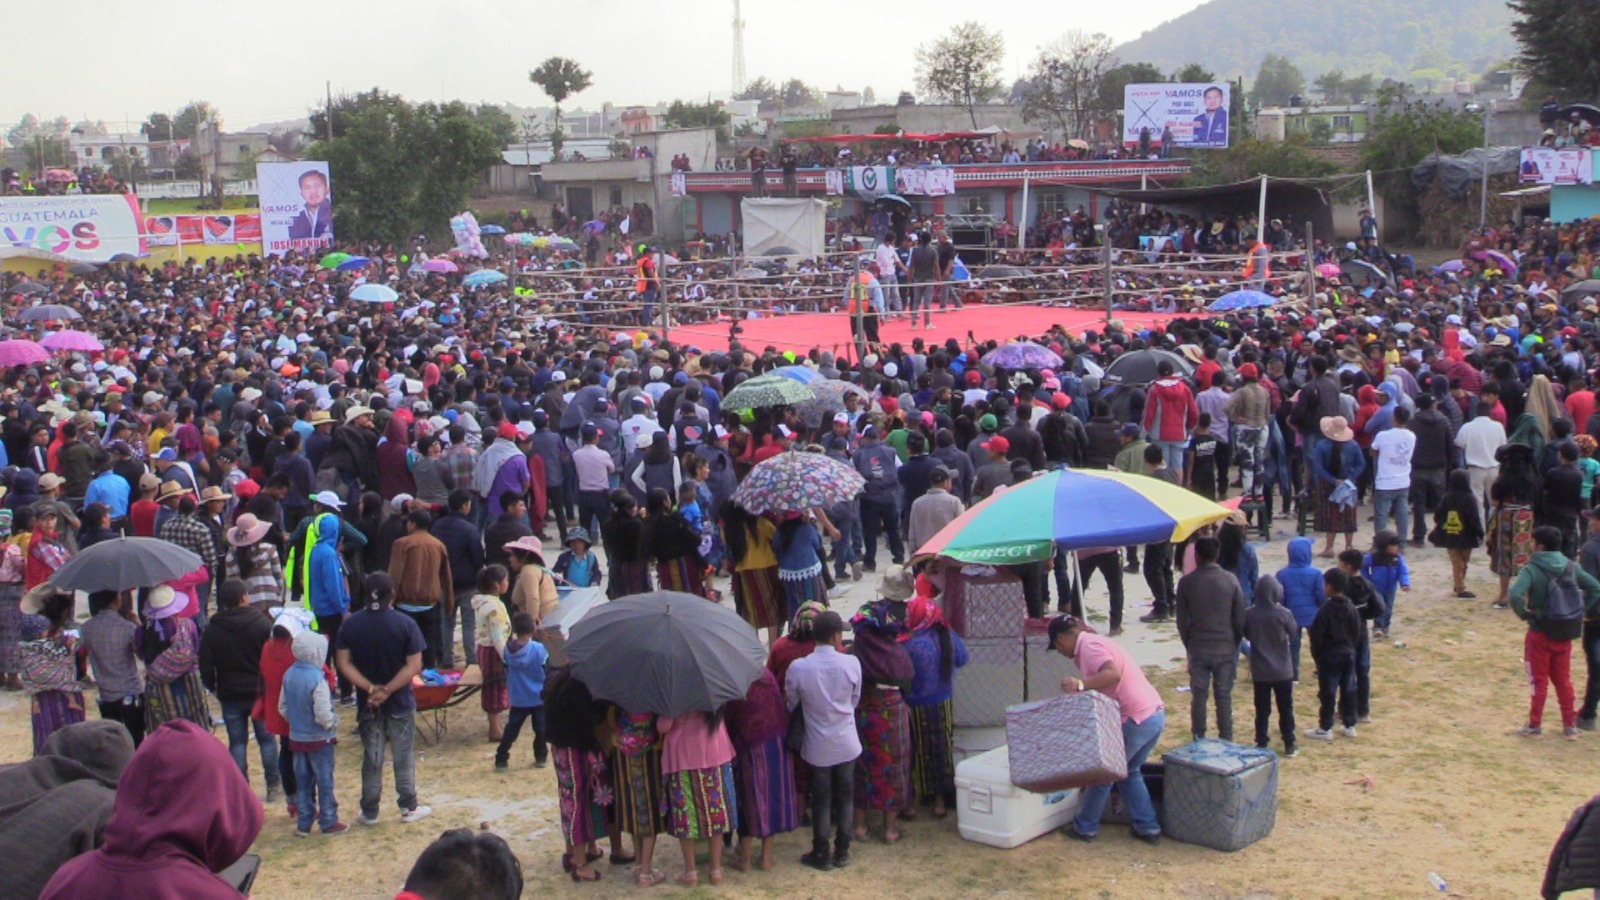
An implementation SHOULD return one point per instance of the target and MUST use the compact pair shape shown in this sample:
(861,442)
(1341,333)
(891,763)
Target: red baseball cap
(1249,370)
(998,444)
(1060,400)
(974,377)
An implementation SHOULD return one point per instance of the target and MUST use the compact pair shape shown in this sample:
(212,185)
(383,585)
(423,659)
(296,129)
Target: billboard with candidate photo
(1187,115)
(296,207)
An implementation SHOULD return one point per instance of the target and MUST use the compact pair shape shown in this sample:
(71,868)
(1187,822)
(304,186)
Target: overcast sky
(265,62)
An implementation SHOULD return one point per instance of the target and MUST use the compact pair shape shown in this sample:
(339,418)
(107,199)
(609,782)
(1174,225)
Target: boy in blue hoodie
(307,704)
(1302,593)
(1385,569)
(327,590)
(525,661)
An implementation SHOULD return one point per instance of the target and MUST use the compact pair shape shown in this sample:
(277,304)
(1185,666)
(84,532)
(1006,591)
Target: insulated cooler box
(1219,794)
(991,810)
(991,680)
(1068,741)
(986,606)
(1045,667)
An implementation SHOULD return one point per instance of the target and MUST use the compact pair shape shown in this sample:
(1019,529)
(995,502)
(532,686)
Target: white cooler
(991,810)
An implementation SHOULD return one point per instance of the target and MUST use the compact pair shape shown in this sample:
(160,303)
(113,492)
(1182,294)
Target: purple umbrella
(22,353)
(72,341)
(1022,355)
(1501,261)
(442,266)
(594,226)
(1449,265)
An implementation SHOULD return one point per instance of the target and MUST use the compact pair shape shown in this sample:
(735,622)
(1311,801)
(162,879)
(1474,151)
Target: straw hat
(170,489)
(1335,428)
(321,417)
(896,584)
(164,603)
(214,494)
(248,530)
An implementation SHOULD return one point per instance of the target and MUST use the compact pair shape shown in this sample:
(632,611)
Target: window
(244,149)
(616,196)
(1341,123)
(1052,202)
(972,205)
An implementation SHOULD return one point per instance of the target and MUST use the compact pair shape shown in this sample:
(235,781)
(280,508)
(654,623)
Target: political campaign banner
(216,228)
(79,227)
(679,185)
(1548,165)
(296,207)
(869,181)
(1189,115)
(925,182)
(833,182)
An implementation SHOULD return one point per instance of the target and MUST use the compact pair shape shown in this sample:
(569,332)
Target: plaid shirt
(459,463)
(190,533)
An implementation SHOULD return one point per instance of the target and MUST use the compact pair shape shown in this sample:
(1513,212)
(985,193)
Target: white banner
(870,181)
(296,207)
(679,185)
(1189,115)
(81,227)
(938,182)
(1548,165)
(833,180)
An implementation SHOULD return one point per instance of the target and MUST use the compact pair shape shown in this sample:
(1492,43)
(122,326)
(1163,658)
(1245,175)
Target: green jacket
(1528,591)
(1131,457)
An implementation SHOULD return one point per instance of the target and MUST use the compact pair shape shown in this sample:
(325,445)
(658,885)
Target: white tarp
(777,226)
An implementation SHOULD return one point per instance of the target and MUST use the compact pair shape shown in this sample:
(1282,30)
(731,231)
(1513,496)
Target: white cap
(841,418)
(328,499)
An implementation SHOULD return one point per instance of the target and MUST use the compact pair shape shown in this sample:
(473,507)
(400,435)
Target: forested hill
(1413,40)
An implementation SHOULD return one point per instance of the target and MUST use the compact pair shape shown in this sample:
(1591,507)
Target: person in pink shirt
(697,775)
(1106,667)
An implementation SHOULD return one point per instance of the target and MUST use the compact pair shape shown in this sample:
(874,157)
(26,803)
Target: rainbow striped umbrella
(1072,509)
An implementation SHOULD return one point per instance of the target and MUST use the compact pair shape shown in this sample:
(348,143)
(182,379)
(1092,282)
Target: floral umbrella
(766,390)
(1022,355)
(828,398)
(795,480)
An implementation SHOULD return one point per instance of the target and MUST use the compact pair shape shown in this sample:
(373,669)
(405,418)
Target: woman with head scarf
(169,646)
(763,769)
(758,593)
(936,652)
(11,575)
(53,662)
(883,772)
(394,459)
(1511,521)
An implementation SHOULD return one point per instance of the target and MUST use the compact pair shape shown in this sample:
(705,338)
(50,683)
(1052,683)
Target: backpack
(1561,619)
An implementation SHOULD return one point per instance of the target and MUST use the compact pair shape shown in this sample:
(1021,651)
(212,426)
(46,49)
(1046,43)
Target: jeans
(1174,453)
(469,623)
(130,712)
(1207,676)
(844,549)
(429,620)
(392,731)
(1427,489)
(508,739)
(1294,649)
(1138,739)
(1591,658)
(1334,678)
(1361,678)
(1548,661)
(236,718)
(291,785)
(328,627)
(1158,575)
(1388,611)
(314,772)
(1396,503)
(922,298)
(881,516)
(1284,692)
(832,806)
(593,510)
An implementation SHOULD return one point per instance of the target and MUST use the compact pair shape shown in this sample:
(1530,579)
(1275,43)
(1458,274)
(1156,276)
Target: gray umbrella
(581,409)
(1139,366)
(666,653)
(81,269)
(1582,288)
(30,288)
(125,563)
(48,312)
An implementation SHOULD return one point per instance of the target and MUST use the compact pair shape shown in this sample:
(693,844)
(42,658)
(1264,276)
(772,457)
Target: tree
(1193,73)
(1276,81)
(188,121)
(560,78)
(869,97)
(45,151)
(158,127)
(761,89)
(963,67)
(26,128)
(1109,94)
(402,168)
(345,106)
(1063,85)
(1253,157)
(1403,130)
(797,93)
(187,168)
(698,115)
(497,122)
(1331,85)
(1558,39)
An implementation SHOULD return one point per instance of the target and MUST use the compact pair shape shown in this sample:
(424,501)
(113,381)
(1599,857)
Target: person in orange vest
(865,298)
(1260,256)
(647,283)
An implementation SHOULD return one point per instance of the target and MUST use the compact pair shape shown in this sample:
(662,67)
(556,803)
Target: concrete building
(591,187)
(101,149)
(923,118)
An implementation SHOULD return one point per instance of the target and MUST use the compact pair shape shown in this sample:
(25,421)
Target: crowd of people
(378,491)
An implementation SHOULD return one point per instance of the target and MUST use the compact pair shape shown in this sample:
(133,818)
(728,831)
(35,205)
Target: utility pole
(1105,240)
(328,127)
(1311,268)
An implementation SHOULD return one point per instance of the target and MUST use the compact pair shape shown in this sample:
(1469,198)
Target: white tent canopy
(784,227)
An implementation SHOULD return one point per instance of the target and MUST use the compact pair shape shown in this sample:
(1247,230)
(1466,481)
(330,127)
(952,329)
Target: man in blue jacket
(1302,593)
(327,590)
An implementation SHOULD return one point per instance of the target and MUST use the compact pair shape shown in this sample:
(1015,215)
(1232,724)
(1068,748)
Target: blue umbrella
(802,374)
(561,243)
(491,229)
(1241,300)
(594,226)
(482,277)
(374,293)
(353,263)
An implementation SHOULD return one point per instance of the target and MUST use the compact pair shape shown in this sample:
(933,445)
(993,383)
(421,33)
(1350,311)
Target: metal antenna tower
(738,49)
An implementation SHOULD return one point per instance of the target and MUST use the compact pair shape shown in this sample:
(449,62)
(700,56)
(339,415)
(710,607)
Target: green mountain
(1413,40)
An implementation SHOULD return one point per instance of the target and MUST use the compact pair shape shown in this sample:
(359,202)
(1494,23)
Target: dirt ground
(1436,782)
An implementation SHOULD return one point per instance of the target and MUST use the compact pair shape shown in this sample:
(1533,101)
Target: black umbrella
(1362,273)
(1585,111)
(124,258)
(48,312)
(666,653)
(81,269)
(1139,367)
(125,563)
(1582,288)
(895,199)
(30,289)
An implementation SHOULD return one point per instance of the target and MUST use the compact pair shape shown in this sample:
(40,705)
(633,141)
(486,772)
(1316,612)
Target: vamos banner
(80,227)
(296,207)
(1196,115)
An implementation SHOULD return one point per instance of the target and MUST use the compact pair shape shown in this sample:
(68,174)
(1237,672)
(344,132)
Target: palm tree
(560,78)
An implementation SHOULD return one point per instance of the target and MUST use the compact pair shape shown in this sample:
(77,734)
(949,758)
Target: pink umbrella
(1501,261)
(72,341)
(443,266)
(1328,270)
(22,353)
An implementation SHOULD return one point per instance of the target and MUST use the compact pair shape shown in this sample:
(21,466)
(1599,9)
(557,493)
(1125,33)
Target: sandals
(577,875)
(649,877)
(620,860)
(687,879)
(716,876)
